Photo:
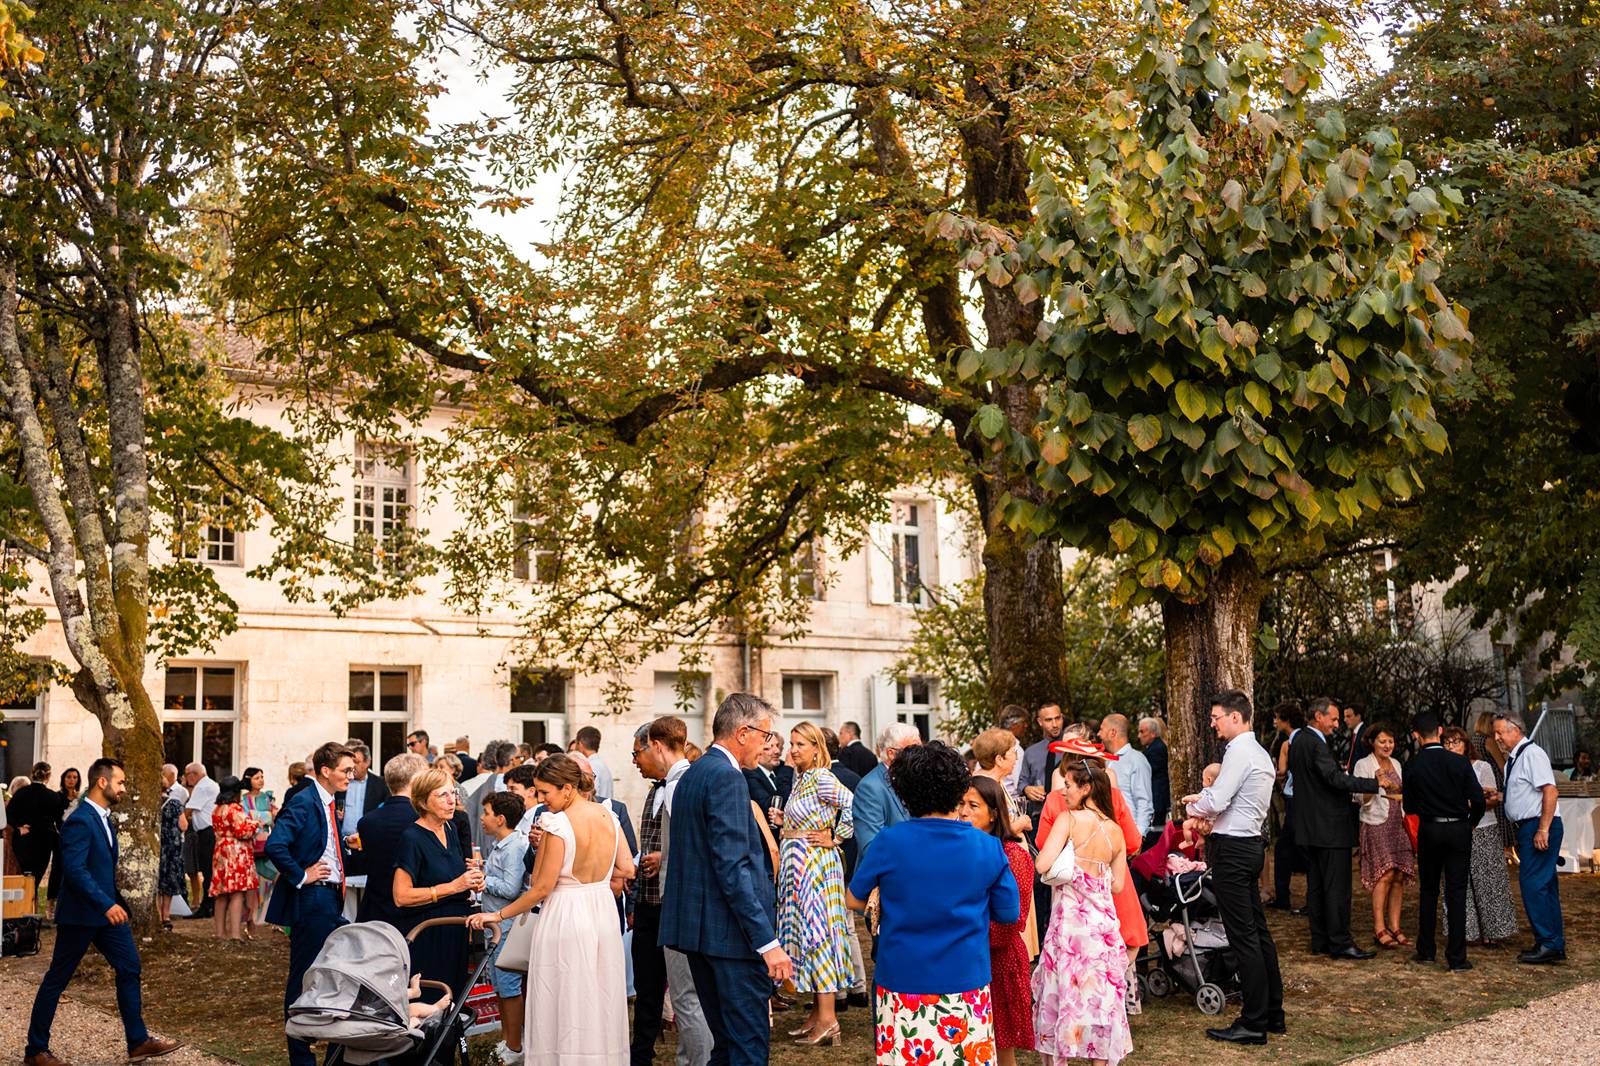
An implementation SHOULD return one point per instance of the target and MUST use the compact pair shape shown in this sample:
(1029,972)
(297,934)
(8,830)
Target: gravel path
(83,1035)
(1555,1031)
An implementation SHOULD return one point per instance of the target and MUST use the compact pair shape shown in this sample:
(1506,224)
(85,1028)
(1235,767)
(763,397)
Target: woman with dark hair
(1080,984)
(1387,861)
(257,803)
(169,875)
(987,807)
(940,884)
(576,990)
(71,786)
(1491,914)
(233,859)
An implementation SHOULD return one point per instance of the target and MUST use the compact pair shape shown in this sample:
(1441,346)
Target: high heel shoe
(829,1036)
(803,1030)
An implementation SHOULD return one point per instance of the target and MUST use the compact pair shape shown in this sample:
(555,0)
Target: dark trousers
(318,913)
(734,993)
(1328,898)
(649,982)
(1536,876)
(1237,863)
(72,941)
(1443,848)
(1041,906)
(1287,858)
(205,847)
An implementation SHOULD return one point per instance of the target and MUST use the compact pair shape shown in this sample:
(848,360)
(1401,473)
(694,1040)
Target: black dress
(438,954)
(170,880)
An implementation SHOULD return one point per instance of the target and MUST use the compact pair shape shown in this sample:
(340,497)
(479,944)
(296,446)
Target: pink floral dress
(1080,984)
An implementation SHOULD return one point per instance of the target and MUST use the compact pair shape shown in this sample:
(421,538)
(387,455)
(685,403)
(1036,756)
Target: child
(1178,839)
(503,881)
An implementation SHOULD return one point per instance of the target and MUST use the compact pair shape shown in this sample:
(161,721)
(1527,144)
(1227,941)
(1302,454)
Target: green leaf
(1191,401)
(1053,448)
(1228,438)
(1212,346)
(991,420)
(1320,379)
(1266,367)
(1256,394)
(1078,408)
(1117,315)
(1122,534)
(1144,431)
(1447,325)
(1251,285)
(1397,482)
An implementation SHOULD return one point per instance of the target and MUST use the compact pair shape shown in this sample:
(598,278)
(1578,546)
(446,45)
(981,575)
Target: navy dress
(438,954)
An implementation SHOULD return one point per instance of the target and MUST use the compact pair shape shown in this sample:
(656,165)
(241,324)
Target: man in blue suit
(89,910)
(876,805)
(718,906)
(308,851)
(380,833)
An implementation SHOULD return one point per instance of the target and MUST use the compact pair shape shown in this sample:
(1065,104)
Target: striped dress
(812,923)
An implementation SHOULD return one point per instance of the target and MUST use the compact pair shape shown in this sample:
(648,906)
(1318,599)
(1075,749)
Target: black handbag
(21,937)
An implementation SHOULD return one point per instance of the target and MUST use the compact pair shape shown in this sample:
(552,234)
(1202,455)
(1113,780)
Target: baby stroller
(356,997)
(1184,907)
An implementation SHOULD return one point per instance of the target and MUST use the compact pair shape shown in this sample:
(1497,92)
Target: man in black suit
(1360,747)
(1323,828)
(854,755)
(1443,792)
(848,852)
(771,778)
(380,839)
(1155,751)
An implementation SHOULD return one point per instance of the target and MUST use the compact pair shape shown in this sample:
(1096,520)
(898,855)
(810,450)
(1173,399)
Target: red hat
(1079,746)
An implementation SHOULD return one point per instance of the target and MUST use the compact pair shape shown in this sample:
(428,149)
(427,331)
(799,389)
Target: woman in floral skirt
(940,884)
(984,807)
(233,861)
(1387,861)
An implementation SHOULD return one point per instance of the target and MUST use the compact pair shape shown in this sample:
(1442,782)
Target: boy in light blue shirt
(504,878)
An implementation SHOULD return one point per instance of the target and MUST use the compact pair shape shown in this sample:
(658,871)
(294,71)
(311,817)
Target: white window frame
(31,713)
(790,684)
(664,701)
(206,542)
(921,715)
(805,569)
(555,722)
(531,561)
(378,717)
(906,524)
(383,498)
(200,716)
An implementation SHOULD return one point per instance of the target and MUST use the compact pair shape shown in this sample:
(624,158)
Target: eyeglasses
(769,734)
(638,752)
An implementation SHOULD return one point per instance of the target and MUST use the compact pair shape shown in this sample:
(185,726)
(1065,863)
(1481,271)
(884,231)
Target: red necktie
(338,850)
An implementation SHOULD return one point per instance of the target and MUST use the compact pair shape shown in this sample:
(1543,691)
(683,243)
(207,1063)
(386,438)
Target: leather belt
(1437,818)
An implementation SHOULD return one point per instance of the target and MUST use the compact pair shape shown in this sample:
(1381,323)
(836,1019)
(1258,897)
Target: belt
(796,834)
(1437,818)
(336,885)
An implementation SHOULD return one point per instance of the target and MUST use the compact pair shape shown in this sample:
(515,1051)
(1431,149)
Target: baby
(1194,828)
(420,1010)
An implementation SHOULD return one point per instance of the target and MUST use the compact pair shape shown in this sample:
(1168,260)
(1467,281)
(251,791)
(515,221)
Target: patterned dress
(1008,962)
(1080,984)
(260,808)
(1385,846)
(169,882)
(812,924)
(1491,915)
(233,863)
(956,1029)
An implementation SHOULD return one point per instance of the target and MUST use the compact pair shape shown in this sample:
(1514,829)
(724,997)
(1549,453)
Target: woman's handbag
(1413,825)
(517,944)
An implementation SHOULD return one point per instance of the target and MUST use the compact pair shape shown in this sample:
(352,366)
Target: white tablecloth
(1577,833)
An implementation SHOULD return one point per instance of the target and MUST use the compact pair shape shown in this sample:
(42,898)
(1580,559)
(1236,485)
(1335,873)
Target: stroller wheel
(1158,983)
(1210,999)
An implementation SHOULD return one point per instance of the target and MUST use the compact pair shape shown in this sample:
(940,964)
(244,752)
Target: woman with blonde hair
(432,878)
(812,924)
(997,751)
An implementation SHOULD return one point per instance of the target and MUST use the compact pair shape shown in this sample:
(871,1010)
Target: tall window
(533,557)
(805,699)
(380,710)
(539,706)
(668,701)
(199,536)
(383,496)
(802,577)
(1391,599)
(909,518)
(21,733)
(913,704)
(200,718)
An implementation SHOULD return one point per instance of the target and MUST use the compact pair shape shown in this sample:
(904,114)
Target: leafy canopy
(1244,331)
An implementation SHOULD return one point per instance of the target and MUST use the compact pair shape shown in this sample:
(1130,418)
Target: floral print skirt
(949,1030)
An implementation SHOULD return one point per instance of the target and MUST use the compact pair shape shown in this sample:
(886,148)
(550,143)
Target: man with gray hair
(1530,804)
(876,806)
(379,836)
(1155,750)
(199,807)
(1014,720)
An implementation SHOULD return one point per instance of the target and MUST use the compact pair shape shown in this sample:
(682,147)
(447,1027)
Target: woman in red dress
(984,807)
(233,862)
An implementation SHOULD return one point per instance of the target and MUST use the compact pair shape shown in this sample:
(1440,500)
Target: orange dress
(1130,916)
(233,862)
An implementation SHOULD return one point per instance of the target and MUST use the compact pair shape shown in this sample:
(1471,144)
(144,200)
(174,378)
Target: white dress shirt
(1238,801)
(330,847)
(674,775)
(105,821)
(202,802)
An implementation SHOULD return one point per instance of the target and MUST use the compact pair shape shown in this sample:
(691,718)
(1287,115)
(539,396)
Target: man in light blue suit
(876,806)
(718,906)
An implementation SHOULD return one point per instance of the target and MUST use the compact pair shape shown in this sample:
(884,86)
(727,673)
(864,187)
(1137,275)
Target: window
(200,718)
(668,701)
(913,704)
(805,699)
(803,578)
(1391,599)
(201,539)
(907,534)
(21,733)
(533,558)
(382,497)
(539,706)
(380,711)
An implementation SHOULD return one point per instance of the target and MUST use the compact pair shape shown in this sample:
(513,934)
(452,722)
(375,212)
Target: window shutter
(879,550)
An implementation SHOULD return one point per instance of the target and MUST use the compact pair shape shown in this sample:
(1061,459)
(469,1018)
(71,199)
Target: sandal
(1399,937)
(1386,939)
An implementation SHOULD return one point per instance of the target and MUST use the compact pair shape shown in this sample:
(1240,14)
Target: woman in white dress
(576,989)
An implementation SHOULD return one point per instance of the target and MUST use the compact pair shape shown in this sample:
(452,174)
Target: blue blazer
(88,870)
(299,837)
(875,809)
(718,899)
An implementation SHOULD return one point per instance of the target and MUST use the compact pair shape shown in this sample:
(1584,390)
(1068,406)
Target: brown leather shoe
(154,1048)
(44,1058)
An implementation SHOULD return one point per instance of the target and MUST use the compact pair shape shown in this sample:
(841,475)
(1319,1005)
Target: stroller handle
(492,929)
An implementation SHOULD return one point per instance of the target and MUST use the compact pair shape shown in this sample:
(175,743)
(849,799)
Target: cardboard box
(21,895)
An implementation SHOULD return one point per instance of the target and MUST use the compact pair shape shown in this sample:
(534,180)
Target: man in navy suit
(89,910)
(308,851)
(718,906)
(380,838)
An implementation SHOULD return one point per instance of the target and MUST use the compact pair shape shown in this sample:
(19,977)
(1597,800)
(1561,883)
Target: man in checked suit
(718,906)
(90,911)
(309,852)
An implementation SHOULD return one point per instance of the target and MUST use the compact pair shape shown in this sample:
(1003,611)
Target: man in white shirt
(586,742)
(1530,803)
(202,801)
(1236,806)
(1133,770)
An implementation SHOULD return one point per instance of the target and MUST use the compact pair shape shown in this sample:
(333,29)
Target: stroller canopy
(355,993)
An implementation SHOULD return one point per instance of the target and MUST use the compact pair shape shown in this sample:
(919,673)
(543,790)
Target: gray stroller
(356,998)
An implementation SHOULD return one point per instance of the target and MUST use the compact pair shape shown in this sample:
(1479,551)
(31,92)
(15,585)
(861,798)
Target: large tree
(1245,335)
(739,337)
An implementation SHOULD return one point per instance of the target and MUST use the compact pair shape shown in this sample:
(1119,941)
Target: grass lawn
(227,997)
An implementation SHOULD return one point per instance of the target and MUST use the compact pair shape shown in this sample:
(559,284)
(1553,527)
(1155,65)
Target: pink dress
(1080,984)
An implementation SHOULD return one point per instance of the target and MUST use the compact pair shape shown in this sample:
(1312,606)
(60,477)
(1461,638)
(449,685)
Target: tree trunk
(1023,605)
(1210,647)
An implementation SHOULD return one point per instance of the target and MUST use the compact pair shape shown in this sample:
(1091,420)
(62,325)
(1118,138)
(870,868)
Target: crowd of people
(1000,886)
